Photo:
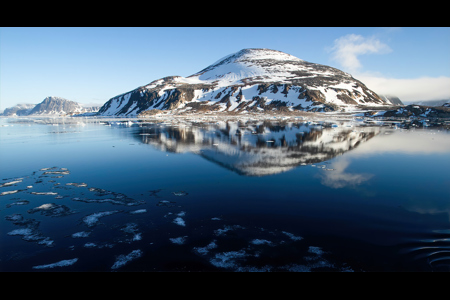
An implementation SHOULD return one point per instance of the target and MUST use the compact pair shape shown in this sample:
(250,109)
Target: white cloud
(414,89)
(347,48)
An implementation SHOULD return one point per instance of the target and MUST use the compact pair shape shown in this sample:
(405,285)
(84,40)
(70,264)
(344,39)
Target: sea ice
(261,242)
(180,193)
(315,250)
(8,192)
(44,193)
(10,183)
(62,263)
(205,250)
(292,237)
(20,202)
(178,240)
(179,221)
(122,260)
(228,259)
(219,232)
(52,209)
(92,219)
(82,184)
(81,234)
(132,228)
(138,211)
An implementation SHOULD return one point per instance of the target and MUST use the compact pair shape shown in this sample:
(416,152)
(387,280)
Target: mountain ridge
(252,79)
(51,105)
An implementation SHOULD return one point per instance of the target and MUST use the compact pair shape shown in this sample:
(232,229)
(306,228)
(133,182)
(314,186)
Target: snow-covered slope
(249,80)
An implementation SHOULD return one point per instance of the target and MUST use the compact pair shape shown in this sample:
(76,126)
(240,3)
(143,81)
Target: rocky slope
(249,80)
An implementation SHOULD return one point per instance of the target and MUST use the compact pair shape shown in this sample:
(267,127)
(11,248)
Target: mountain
(392,99)
(21,109)
(53,106)
(56,106)
(249,80)
(429,102)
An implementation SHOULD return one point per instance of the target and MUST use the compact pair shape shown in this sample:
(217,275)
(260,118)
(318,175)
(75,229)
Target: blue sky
(92,65)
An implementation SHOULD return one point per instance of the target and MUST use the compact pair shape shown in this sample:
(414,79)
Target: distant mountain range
(429,102)
(250,80)
(53,106)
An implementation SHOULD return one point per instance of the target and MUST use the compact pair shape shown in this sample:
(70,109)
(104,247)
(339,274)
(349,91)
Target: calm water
(92,195)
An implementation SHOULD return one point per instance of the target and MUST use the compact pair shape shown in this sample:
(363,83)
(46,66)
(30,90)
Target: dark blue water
(84,195)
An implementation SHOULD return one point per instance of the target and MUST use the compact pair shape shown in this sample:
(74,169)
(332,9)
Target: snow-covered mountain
(54,106)
(429,102)
(393,99)
(249,80)
(21,109)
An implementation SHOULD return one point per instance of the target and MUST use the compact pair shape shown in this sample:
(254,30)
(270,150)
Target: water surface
(100,195)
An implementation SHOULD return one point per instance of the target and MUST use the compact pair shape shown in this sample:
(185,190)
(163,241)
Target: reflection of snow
(339,178)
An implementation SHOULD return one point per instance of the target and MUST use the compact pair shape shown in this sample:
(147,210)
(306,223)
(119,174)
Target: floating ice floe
(165,203)
(82,184)
(132,229)
(138,211)
(9,192)
(292,237)
(20,202)
(227,228)
(122,260)
(92,219)
(180,193)
(44,193)
(30,232)
(179,221)
(205,250)
(52,209)
(62,263)
(81,234)
(261,242)
(11,183)
(178,240)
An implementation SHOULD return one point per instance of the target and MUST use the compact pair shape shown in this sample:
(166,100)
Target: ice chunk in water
(178,240)
(81,234)
(62,263)
(180,193)
(92,219)
(9,192)
(124,259)
(10,183)
(179,221)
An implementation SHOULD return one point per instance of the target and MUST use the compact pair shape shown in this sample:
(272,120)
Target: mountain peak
(248,62)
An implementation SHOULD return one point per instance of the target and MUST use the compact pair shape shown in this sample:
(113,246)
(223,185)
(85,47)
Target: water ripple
(434,250)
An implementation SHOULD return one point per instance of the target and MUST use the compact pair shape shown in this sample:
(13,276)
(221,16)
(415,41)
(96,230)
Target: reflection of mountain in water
(258,148)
